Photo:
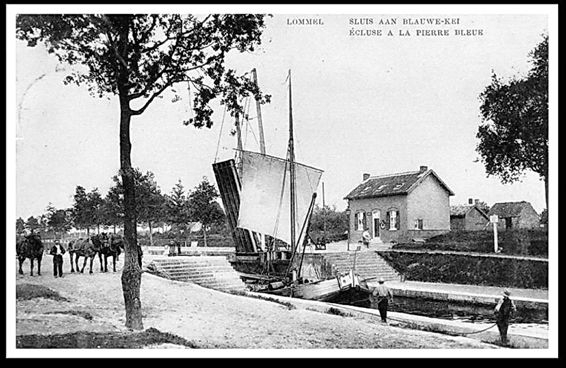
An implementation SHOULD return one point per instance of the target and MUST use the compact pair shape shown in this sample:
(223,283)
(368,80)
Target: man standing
(366,238)
(503,312)
(57,252)
(383,295)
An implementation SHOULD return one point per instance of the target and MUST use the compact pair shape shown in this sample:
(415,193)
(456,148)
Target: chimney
(476,201)
(423,168)
(366,176)
(470,201)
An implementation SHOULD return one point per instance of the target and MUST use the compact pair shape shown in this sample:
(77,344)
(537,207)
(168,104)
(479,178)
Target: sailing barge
(268,202)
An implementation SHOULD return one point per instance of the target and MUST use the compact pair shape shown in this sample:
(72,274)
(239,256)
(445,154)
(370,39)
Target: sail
(265,195)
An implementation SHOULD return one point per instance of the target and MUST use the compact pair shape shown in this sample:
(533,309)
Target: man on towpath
(383,295)
(504,310)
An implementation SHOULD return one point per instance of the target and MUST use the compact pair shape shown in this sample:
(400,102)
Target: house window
(418,224)
(360,221)
(393,218)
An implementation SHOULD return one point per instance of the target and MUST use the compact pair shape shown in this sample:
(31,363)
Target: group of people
(381,296)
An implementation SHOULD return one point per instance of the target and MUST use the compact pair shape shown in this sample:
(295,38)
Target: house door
(376,214)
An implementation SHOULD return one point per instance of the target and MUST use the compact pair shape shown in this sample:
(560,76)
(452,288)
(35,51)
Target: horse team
(104,245)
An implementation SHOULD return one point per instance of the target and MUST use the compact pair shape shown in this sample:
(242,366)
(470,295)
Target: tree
(203,206)
(82,218)
(95,208)
(112,207)
(20,226)
(137,57)
(58,221)
(149,200)
(513,136)
(326,221)
(177,210)
(32,224)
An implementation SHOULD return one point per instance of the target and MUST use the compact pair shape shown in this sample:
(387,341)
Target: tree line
(92,210)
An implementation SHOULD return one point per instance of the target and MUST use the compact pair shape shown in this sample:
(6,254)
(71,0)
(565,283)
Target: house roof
(392,184)
(462,210)
(509,209)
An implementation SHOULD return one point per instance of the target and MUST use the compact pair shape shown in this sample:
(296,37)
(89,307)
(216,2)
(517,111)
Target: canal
(456,310)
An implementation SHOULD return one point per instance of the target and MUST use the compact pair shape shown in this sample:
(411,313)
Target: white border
(550,10)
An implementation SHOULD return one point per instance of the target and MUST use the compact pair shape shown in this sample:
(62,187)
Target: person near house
(57,252)
(504,310)
(366,238)
(383,296)
(178,243)
(172,247)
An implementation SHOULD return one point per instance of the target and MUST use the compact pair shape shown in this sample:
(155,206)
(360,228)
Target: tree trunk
(131,273)
(114,229)
(88,232)
(150,233)
(204,234)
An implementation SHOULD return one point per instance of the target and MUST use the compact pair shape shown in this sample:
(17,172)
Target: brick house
(468,217)
(400,207)
(515,215)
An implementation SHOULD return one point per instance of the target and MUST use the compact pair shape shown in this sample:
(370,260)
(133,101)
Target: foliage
(513,136)
(33,224)
(20,226)
(532,242)
(328,223)
(88,208)
(58,220)
(177,209)
(203,206)
(472,270)
(149,202)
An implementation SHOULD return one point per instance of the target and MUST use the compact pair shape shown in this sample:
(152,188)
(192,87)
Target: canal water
(455,310)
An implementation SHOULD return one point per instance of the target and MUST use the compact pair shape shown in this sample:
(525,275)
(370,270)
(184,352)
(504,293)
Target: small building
(400,207)
(515,215)
(468,217)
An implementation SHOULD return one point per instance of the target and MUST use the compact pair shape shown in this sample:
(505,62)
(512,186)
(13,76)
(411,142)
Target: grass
(337,312)
(266,298)
(102,340)
(82,314)
(30,291)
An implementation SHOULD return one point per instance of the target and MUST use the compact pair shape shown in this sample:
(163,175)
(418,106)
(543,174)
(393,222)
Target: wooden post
(494,219)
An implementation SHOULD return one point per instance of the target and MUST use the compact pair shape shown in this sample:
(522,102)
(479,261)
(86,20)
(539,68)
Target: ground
(70,311)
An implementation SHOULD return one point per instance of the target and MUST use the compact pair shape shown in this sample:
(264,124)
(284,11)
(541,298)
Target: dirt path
(208,318)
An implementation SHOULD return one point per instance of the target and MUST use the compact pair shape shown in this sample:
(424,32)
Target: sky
(361,104)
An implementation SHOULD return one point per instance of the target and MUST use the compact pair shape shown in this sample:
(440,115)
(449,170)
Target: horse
(112,248)
(30,247)
(87,248)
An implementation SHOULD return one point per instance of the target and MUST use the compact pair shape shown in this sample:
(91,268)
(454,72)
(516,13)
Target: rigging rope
(220,135)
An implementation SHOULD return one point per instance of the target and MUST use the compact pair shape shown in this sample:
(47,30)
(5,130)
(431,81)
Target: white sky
(360,104)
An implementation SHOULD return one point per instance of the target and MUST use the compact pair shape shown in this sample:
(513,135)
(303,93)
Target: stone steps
(368,265)
(213,272)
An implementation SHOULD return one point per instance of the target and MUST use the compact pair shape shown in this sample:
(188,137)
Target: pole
(494,219)
(240,147)
(324,214)
(495,236)
(292,167)
(259,121)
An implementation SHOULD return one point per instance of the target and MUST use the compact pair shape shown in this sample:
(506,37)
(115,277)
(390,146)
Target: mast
(240,146)
(259,121)
(292,167)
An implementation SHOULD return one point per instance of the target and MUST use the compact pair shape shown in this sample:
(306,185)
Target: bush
(465,269)
(533,242)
